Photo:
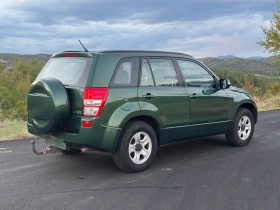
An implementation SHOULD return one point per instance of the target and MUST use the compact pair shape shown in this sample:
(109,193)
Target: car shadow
(195,144)
(92,162)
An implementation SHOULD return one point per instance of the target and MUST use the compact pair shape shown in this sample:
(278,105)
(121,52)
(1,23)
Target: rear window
(70,71)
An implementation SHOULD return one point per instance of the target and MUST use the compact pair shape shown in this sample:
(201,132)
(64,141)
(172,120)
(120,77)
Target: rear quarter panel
(121,105)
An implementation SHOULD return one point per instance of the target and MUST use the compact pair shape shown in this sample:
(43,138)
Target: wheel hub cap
(244,128)
(140,147)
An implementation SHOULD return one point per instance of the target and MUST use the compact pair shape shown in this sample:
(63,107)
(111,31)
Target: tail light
(70,55)
(94,100)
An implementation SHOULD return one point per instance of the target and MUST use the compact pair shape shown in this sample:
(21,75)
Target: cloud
(148,11)
(197,27)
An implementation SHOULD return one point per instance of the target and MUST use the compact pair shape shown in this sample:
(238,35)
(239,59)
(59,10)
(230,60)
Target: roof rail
(141,51)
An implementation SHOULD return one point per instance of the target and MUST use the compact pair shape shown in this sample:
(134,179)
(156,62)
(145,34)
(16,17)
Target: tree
(271,42)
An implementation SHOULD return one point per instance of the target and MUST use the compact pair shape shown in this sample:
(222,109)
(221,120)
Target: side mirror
(225,83)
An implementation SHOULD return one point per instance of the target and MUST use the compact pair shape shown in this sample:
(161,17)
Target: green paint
(176,114)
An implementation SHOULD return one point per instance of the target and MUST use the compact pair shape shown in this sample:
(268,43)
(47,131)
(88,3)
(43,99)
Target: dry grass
(267,103)
(10,130)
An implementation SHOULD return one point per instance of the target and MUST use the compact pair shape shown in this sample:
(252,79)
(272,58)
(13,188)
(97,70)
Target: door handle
(193,96)
(148,96)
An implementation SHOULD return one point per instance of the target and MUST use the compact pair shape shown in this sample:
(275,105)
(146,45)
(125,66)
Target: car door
(209,104)
(162,96)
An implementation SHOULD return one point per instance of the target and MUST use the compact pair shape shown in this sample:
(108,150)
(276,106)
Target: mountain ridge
(233,56)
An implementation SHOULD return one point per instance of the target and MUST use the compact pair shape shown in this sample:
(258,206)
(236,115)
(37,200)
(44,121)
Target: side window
(164,72)
(126,73)
(146,75)
(195,75)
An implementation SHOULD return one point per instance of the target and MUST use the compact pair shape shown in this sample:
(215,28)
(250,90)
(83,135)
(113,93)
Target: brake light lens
(70,55)
(94,100)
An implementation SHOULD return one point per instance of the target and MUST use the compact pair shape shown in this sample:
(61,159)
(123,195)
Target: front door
(208,103)
(160,95)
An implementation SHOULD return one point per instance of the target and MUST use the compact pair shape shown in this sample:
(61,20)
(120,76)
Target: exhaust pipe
(48,150)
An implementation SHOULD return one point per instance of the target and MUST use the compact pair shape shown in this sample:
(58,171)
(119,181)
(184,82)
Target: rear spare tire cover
(48,105)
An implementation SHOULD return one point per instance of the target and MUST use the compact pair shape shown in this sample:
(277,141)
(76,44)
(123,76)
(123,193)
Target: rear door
(72,70)
(161,95)
(209,104)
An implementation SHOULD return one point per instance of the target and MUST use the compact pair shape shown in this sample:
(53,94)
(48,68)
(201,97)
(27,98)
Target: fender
(243,100)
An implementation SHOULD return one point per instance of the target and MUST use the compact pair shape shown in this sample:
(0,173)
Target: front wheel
(138,147)
(243,128)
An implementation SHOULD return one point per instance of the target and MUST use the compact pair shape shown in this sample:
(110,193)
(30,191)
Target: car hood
(238,90)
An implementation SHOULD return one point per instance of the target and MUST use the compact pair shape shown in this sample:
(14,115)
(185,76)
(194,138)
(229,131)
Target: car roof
(135,52)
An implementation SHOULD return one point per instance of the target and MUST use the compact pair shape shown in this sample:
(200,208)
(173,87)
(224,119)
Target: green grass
(13,130)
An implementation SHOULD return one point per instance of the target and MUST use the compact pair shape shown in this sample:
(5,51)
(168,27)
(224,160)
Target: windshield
(70,71)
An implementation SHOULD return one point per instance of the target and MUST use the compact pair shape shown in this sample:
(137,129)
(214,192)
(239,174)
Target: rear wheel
(138,147)
(243,128)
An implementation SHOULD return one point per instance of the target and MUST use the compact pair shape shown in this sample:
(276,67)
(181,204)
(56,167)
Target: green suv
(128,103)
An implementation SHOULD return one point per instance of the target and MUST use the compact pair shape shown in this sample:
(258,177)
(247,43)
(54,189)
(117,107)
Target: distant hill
(259,66)
(8,58)
(256,65)
(232,56)
(226,56)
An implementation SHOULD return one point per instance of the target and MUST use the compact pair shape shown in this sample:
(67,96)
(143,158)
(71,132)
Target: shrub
(14,87)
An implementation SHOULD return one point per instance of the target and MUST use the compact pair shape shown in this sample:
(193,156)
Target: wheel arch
(250,107)
(144,118)
(149,120)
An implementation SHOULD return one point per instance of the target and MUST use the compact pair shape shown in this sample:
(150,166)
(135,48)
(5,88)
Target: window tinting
(70,71)
(126,72)
(195,75)
(164,72)
(146,76)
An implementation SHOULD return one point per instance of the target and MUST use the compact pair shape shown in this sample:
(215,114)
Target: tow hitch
(48,150)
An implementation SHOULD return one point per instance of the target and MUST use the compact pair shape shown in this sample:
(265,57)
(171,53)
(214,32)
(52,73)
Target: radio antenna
(83,46)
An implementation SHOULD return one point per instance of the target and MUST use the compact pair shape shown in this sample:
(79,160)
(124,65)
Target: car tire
(137,147)
(243,128)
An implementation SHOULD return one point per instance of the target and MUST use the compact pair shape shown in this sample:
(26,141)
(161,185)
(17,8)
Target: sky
(200,28)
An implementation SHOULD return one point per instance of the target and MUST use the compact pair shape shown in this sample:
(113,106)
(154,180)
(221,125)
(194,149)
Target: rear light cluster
(94,100)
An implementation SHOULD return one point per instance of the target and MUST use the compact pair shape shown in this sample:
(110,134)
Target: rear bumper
(99,137)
